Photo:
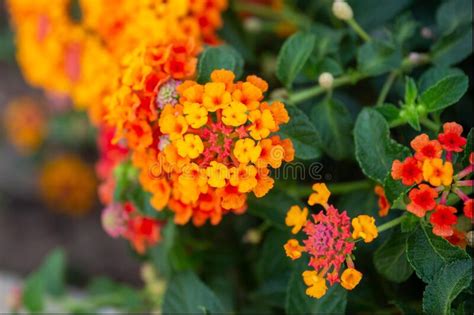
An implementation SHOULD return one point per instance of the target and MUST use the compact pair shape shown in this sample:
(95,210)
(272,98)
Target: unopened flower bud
(252,24)
(253,236)
(426,33)
(279,94)
(342,10)
(326,80)
(470,238)
(148,273)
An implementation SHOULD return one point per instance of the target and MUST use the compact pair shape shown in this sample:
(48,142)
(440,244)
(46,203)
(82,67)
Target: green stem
(335,189)
(430,124)
(318,90)
(386,87)
(359,30)
(390,224)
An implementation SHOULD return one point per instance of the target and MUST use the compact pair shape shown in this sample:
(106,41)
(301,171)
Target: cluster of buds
(430,174)
(213,145)
(329,242)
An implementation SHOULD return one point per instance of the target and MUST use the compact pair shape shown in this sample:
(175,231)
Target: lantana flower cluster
(207,146)
(328,241)
(431,175)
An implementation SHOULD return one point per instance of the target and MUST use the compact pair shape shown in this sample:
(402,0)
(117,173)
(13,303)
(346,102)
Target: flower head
(443,219)
(422,199)
(364,227)
(114,220)
(426,148)
(451,138)
(409,171)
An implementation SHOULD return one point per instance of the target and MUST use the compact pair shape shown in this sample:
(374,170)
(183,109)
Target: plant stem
(318,90)
(336,189)
(386,87)
(390,224)
(359,30)
(430,124)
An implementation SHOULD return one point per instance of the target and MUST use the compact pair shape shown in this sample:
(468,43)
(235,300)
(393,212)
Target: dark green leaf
(447,284)
(435,74)
(265,207)
(187,294)
(161,254)
(469,148)
(297,302)
(293,56)
(32,294)
(375,150)
(327,40)
(377,57)
(453,48)
(394,189)
(445,93)
(428,253)
(220,57)
(411,91)
(390,258)
(303,134)
(334,124)
(389,111)
(453,14)
(53,272)
(409,222)
(373,13)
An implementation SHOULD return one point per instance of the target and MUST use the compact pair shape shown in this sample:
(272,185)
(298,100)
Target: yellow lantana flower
(215,96)
(320,196)
(243,177)
(190,146)
(173,125)
(235,114)
(217,174)
(293,249)
(262,123)
(437,173)
(296,218)
(195,114)
(364,227)
(246,150)
(350,278)
(316,284)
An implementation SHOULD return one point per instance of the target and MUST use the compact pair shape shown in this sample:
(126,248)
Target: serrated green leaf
(53,272)
(411,91)
(32,294)
(265,207)
(435,74)
(334,124)
(445,93)
(390,258)
(220,57)
(327,40)
(446,285)
(377,57)
(372,13)
(293,55)
(389,111)
(302,133)
(394,189)
(428,253)
(375,150)
(297,302)
(453,14)
(409,222)
(453,48)
(186,293)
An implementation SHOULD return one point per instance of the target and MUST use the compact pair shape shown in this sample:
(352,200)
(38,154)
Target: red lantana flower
(451,139)
(443,220)
(426,148)
(423,199)
(458,239)
(384,205)
(409,171)
(468,208)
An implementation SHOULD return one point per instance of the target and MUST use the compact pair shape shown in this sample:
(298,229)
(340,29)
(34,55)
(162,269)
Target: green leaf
(448,283)
(409,222)
(334,125)
(411,91)
(435,74)
(377,57)
(32,294)
(445,93)
(468,149)
(453,14)
(53,272)
(394,189)
(265,207)
(373,13)
(327,40)
(297,302)
(161,254)
(375,150)
(428,253)
(187,294)
(453,48)
(220,57)
(293,56)
(389,111)
(302,133)
(390,259)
